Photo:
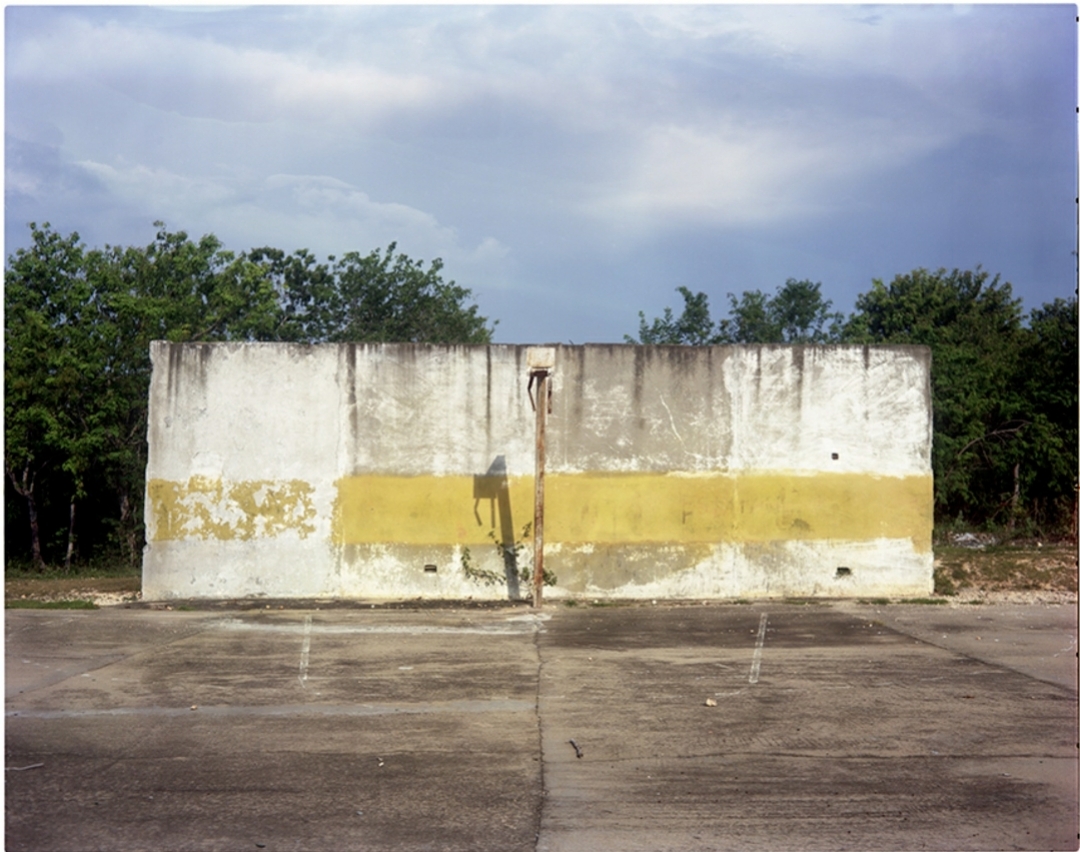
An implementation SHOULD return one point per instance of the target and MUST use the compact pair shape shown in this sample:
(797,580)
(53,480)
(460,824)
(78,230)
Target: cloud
(317,212)
(739,173)
(146,185)
(554,150)
(199,76)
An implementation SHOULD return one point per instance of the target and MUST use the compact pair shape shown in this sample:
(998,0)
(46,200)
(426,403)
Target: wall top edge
(572,347)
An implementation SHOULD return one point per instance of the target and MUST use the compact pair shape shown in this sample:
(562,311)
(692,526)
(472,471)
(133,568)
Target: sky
(571,165)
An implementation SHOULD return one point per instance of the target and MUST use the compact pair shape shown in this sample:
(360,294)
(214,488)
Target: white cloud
(148,186)
(565,138)
(317,212)
(735,173)
(331,206)
(202,77)
(24,182)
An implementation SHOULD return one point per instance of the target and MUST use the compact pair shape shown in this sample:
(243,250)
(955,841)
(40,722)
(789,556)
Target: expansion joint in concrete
(542,798)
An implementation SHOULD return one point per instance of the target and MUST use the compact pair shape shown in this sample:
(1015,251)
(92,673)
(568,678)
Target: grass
(68,586)
(31,603)
(15,569)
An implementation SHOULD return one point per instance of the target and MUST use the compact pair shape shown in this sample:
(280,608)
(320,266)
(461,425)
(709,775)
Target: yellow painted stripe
(633,508)
(210,508)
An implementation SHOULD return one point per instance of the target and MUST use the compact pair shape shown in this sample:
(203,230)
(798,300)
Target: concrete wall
(398,471)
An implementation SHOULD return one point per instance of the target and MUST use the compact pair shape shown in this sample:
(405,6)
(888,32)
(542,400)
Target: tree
(306,291)
(1004,392)
(377,297)
(796,313)
(694,327)
(393,299)
(79,324)
(172,289)
(974,328)
(36,288)
(1047,449)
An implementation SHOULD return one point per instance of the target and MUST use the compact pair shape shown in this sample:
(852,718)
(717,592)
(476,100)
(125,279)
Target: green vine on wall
(479,575)
(510,554)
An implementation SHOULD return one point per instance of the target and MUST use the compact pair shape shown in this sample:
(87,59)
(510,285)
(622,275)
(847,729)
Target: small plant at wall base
(510,555)
(511,552)
(549,577)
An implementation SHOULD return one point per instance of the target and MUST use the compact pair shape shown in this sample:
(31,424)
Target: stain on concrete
(598,569)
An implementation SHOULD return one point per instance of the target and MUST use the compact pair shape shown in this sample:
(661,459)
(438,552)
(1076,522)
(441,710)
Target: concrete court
(836,726)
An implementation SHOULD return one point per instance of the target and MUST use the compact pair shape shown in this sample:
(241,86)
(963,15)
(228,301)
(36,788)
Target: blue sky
(572,165)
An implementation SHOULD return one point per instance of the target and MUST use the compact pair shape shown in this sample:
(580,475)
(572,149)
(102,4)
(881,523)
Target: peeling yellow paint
(207,507)
(640,508)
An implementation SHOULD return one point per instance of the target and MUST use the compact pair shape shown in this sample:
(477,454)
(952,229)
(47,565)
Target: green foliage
(694,327)
(796,313)
(376,297)
(510,553)
(477,574)
(51,364)
(76,603)
(78,325)
(1048,381)
(1004,393)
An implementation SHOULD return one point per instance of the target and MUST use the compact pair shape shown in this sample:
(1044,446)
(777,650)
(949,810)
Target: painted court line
(755,666)
(305,650)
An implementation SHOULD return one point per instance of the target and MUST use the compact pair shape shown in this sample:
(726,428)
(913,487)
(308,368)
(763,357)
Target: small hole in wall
(430,569)
(843,572)
(835,456)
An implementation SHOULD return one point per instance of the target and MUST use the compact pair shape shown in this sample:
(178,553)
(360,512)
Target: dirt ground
(1010,571)
(1028,572)
(100,590)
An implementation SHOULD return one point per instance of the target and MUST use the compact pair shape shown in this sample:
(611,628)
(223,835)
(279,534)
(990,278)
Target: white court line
(305,650)
(755,666)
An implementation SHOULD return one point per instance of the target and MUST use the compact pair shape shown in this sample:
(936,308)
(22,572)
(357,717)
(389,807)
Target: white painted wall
(281,413)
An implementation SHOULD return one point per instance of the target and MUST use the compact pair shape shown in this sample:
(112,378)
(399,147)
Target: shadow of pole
(494,485)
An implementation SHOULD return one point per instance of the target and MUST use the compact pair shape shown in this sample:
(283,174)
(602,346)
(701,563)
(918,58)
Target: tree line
(79,321)
(78,325)
(1004,385)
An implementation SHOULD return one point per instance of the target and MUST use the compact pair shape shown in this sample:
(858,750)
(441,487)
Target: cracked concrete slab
(765,726)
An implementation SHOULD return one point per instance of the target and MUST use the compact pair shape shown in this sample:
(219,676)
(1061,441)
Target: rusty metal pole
(538,503)
(541,361)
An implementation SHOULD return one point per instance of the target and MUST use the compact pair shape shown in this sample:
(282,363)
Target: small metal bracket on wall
(541,361)
(537,376)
